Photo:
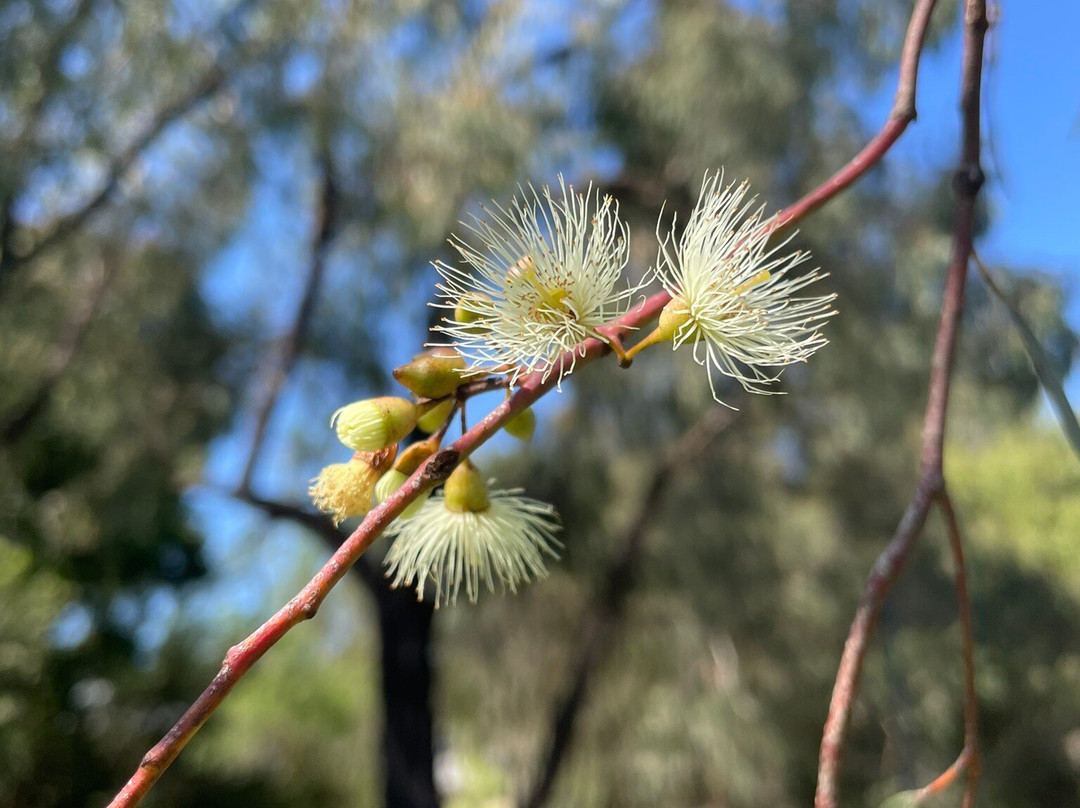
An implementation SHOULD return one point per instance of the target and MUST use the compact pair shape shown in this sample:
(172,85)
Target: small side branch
(606,618)
(970,755)
(943,780)
(900,116)
(278,367)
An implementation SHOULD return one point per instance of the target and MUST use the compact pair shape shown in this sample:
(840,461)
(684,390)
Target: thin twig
(967,181)
(278,367)
(304,605)
(943,780)
(606,617)
(967,638)
(900,116)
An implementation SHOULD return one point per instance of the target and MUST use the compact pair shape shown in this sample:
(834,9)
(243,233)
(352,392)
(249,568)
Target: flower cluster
(462,537)
(546,276)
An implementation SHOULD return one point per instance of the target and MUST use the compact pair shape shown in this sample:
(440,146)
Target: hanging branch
(305,604)
(968,179)
(605,618)
(278,367)
(970,753)
(900,116)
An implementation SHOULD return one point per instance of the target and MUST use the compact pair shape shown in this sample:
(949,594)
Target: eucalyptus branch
(968,180)
(438,467)
(900,116)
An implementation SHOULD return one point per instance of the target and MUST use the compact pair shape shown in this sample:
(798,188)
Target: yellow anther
(551,297)
(759,278)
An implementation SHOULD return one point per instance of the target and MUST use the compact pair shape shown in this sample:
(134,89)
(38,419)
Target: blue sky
(1032,134)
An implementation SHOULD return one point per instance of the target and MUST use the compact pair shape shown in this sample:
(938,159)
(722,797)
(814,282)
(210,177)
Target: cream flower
(732,296)
(547,276)
(464,535)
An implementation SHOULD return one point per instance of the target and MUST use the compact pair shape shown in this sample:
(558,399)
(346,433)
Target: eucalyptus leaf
(1049,376)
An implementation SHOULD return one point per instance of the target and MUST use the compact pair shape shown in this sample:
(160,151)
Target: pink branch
(970,755)
(304,605)
(901,114)
(887,568)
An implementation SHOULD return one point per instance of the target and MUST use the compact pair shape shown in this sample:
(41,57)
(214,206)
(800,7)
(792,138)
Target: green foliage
(1019,495)
(716,684)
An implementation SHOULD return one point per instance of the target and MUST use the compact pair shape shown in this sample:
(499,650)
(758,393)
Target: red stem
(901,114)
(888,566)
(304,605)
(967,638)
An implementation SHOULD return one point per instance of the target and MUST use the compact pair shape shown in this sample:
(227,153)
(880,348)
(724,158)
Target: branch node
(968,179)
(904,112)
(440,465)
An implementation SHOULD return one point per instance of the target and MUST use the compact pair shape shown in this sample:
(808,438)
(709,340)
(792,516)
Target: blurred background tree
(215,227)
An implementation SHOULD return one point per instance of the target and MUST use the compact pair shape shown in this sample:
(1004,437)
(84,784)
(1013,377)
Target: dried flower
(347,489)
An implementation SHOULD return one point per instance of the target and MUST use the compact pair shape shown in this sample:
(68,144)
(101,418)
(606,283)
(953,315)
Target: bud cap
(466,491)
(432,374)
(374,423)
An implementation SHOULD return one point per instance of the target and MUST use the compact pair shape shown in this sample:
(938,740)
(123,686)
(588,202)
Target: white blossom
(733,297)
(546,275)
(505,543)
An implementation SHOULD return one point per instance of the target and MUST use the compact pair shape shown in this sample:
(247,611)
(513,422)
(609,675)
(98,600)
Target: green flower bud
(391,482)
(432,374)
(431,420)
(522,425)
(474,309)
(375,422)
(466,491)
(673,317)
